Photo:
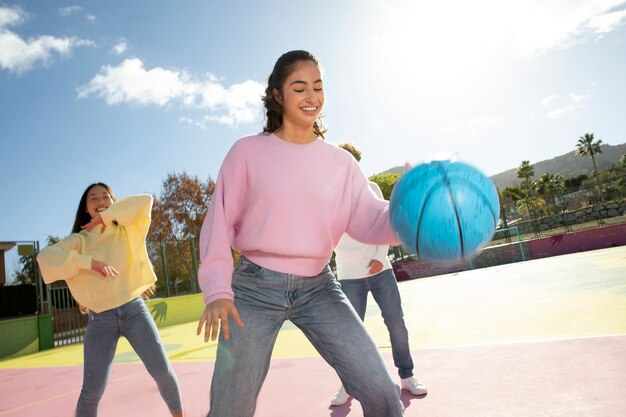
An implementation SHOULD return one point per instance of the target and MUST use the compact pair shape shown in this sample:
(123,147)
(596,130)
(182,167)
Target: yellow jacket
(122,245)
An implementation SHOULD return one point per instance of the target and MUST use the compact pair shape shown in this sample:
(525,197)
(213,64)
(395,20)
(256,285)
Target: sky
(127,92)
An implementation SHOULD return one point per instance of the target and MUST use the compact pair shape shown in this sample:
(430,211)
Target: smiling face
(301,96)
(98,199)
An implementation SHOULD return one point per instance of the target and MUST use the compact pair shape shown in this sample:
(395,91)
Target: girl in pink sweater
(283,199)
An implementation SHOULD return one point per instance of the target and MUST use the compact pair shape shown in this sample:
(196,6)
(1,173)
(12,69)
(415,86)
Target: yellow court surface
(488,320)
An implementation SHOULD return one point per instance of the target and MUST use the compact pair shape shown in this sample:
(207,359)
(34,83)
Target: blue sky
(127,92)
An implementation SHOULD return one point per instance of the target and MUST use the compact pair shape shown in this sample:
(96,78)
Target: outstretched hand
(104,269)
(93,223)
(215,314)
(148,293)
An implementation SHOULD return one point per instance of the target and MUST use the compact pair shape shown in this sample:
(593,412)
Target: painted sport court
(540,338)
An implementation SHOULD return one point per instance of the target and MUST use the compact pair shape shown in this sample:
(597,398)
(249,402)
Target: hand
(149,292)
(216,313)
(375,266)
(103,269)
(93,223)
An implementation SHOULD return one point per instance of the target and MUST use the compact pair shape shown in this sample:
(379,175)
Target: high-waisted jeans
(316,305)
(384,289)
(133,321)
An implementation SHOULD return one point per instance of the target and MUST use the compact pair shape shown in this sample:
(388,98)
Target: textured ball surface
(444,210)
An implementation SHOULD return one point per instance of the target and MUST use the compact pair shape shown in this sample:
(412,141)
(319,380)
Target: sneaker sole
(338,403)
(417,395)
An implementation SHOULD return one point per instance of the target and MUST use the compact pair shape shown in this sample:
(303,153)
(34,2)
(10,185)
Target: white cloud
(548,99)
(562,111)
(11,16)
(447,131)
(200,123)
(480,122)
(472,125)
(69,10)
(569,104)
(606,22)
(130,83)
(120,47)
(20,55)
(578,98)
(540,25)
(528,27)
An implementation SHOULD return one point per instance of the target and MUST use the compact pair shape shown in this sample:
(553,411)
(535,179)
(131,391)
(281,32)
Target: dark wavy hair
(285,65)
(82,217)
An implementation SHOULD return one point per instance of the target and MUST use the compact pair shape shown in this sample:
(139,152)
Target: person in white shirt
(365,268)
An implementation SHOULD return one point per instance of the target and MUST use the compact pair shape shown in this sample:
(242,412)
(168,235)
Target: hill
(569,165)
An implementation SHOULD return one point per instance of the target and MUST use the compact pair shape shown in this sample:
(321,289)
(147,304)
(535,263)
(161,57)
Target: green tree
(350,147)
(574,183)
(386,182)
(177,216)
(509,197)
(549,186)
(528,205)
(622,160)
(514,193)
(25,274)
(525,172)
(586,146)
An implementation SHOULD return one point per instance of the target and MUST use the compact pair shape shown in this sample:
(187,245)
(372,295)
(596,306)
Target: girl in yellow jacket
(105,264)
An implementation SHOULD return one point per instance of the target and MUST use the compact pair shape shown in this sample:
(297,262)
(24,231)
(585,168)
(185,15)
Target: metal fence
(175,263)
(68,323)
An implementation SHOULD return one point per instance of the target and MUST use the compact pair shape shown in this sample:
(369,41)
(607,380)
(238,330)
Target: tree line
(546,195)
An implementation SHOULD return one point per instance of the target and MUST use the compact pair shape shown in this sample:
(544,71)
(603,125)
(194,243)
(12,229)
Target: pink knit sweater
(285,207)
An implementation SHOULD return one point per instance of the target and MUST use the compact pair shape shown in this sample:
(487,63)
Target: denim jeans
(133,321)
(384,289)
(316,305)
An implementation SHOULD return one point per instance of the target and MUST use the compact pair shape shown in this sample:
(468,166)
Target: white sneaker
(341,397)
(413,386)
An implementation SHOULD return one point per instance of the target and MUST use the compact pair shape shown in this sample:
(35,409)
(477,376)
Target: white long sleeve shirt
(352,257)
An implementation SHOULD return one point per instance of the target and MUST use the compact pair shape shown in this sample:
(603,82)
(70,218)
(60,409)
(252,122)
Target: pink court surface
(539,338)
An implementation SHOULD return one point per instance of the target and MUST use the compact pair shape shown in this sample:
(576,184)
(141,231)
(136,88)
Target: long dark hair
(82,217)
(285,65)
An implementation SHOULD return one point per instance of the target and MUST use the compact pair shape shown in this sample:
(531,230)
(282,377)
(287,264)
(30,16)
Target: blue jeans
(384,288)
(316,305)
(133,321)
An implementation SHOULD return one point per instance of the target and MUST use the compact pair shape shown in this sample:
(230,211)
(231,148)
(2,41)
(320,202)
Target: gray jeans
(133,321)
(384,289)
(316,305)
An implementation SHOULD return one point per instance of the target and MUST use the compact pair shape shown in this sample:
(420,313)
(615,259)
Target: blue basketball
(444,210)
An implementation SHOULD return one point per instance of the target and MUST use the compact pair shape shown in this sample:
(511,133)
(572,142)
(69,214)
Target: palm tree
(529,204)
(587,147)
(550,186)
(525,171)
